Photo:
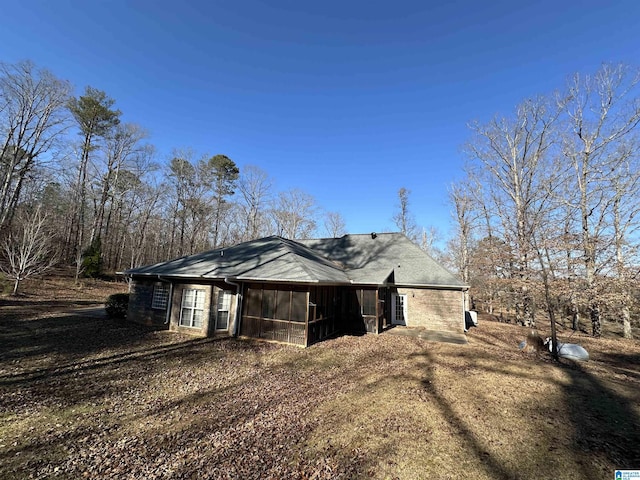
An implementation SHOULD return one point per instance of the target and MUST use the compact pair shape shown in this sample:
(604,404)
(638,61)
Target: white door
(399,309)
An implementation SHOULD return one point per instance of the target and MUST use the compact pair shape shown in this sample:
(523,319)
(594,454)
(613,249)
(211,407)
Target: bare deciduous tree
(511,158)
(626,207)
(555,189)
(293,214)
(27,250)
(254,187)
(120,151)
(463,204)
(404,219)
(334,224)
(429,237)
(601,113)
(32,119)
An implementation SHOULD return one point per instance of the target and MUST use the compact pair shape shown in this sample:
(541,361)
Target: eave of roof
(427,285)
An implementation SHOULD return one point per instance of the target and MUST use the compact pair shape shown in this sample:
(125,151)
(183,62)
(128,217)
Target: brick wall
(208,328)
(140,310)
(434,309)
(176,305)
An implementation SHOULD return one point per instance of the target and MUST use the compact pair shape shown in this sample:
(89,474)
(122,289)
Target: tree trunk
(82,196)
(575,315)
(596,322)
(626,322)
(552,316)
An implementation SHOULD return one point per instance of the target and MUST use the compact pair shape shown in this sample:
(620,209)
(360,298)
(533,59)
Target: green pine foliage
(92,259)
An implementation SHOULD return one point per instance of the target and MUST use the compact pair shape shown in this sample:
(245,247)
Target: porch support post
(306,323)
(377,313)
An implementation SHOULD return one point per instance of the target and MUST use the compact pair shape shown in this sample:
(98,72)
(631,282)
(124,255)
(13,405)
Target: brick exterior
(434,309)
(208,328)
(429,308)
(140,310)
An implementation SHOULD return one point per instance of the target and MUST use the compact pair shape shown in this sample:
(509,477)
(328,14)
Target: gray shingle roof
(266,259)
(351,259)
(370,260)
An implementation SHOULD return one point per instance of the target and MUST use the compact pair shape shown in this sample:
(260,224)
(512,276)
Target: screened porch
(304,315)
(299,315)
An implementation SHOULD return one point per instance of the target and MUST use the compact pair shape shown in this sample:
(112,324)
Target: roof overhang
(182,277)
(178,277)
(431,286)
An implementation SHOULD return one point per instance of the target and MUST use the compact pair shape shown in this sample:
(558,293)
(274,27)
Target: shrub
(117,305)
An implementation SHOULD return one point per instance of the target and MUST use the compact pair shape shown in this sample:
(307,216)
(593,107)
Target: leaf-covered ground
(85,397)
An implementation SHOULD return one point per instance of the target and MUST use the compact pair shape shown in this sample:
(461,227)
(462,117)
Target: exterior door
(398,309)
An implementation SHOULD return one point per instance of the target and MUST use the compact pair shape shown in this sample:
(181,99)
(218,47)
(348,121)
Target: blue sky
(348,101)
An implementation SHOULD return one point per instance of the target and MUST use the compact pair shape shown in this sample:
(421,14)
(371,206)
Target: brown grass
(82,396)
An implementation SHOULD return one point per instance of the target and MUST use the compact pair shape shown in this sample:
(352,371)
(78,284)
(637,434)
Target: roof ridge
(286,243)
(369,234)
(327,262)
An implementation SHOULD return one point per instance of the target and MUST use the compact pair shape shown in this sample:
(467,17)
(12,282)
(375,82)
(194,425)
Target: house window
(160,296)
(224,305)
(192,309)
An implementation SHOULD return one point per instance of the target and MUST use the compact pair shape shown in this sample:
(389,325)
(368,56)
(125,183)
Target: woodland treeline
(78,186)
(546,215)
(547,212)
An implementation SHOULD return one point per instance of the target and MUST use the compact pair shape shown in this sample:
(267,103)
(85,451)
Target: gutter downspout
(238,316)
(167,318)
(464,311)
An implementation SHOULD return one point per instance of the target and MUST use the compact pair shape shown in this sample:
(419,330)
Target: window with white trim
(160,299)
(192,308)
(224,305)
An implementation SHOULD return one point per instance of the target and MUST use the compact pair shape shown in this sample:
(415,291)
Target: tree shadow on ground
(624,364)
(64,394)
(472,443)
(606,425)
(60,369)
(65,334)
(245,407)
(35,301)
(65,386)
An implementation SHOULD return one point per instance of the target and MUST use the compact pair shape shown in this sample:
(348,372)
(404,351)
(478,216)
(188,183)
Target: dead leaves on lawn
(89,398)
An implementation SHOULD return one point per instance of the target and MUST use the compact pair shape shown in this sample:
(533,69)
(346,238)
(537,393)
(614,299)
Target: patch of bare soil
(91,398)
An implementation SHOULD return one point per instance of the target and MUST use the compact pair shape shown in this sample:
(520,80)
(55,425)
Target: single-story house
(300,292)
